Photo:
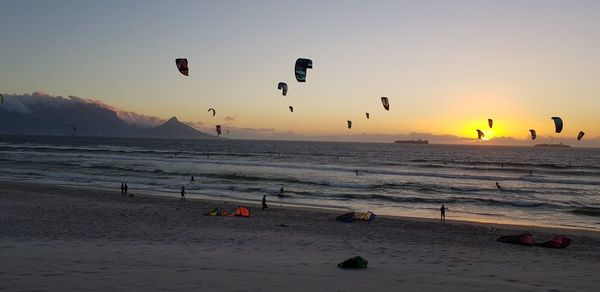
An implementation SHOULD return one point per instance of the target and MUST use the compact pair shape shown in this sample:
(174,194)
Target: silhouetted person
(122,188)
(281,192)
(356,170)
(443,213)
(264,202)
(498,186)
(182,193)
(126,187)
(192,179)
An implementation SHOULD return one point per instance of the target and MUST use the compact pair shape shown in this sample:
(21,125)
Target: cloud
(28,103)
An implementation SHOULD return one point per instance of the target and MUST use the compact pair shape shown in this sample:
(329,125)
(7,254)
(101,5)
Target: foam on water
(540,186)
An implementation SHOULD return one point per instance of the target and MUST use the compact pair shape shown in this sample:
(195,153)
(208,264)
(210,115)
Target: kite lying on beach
(356,216)
(557,241)
(239,211)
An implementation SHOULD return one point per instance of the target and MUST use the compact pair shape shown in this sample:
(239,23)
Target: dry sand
(59,239)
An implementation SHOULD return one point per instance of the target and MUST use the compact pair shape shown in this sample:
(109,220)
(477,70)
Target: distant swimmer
(498,186)
(182,193)
(264,202)
(443,213)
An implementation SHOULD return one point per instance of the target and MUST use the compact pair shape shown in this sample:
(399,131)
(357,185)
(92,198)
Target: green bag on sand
(356,262)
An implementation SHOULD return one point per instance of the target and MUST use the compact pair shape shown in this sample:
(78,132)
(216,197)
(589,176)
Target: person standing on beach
(264,202)
(122,188)
(125,189)
(443,213)
(182,193)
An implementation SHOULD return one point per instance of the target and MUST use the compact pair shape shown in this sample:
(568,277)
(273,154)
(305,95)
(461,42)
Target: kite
(490,123)
(480,134)
(283,87)
(533,134)
(300,69)
(182,66)
(386,103)
(558,124)
(580,135)
(349,124)
(213,111)
(291,108)
(367,114)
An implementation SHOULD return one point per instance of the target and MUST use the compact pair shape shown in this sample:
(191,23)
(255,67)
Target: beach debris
(355,262)
(490,123)
(349,124)
(480,134)
(283,87)
(218,129)
(213,111)
(521,239)
(300,68)
(558,124)
(386,103)
(367,114)
(580,135)
(533,134)
(356,216)
(182,66)
(558,241)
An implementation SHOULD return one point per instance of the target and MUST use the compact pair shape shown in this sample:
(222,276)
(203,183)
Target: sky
(446,66)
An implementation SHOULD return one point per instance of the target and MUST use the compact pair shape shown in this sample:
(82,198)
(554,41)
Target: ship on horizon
(419,142)
(559,145)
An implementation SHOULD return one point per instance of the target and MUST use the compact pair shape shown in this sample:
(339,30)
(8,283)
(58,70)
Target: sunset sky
(446,66)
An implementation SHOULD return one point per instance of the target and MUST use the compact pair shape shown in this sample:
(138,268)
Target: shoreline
(333,211)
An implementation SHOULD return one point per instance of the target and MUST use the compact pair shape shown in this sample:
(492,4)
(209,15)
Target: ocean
(540,186)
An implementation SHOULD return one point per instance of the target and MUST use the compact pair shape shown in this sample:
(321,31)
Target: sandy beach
(59,239)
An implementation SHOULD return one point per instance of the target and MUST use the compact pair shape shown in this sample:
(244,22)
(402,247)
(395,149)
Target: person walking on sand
(182,193)
(443,213)
(264,202)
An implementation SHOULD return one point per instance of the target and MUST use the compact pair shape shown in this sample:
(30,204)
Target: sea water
(539,186)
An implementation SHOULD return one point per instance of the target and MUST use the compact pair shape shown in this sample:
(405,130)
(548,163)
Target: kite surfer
(443,213)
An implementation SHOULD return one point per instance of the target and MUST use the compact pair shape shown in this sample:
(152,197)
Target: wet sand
(58,238)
